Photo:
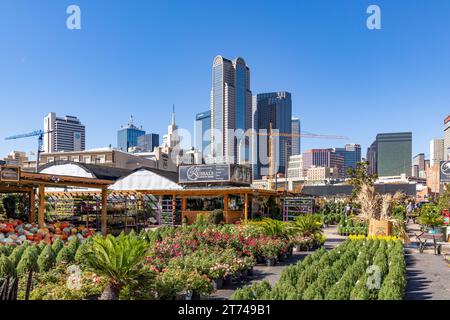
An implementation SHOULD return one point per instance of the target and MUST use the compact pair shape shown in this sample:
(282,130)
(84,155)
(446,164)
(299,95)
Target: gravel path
(272,274)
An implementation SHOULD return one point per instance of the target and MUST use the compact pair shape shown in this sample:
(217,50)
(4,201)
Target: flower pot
(270,262)
(281,257)
(298,248)
(181,296)
(92,297)
(260,259)
(244,274)
(228,281)
(193,296)
(218,284)
(250,271)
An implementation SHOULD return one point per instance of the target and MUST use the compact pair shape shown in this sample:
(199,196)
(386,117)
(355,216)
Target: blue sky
(140,57)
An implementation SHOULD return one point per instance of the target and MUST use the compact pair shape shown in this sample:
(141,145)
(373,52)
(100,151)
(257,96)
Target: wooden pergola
(19,181)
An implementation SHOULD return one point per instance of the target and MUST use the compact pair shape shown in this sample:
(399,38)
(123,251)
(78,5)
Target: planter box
(380,228)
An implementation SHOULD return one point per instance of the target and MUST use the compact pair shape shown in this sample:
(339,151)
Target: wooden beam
(104,212)
(225,204)
(41,211)
(32,216)
(246,207)
(183,208)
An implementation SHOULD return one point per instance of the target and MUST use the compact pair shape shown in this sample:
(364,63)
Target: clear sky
(140,57)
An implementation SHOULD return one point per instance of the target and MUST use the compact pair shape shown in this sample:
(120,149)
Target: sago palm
(118,259)
(308,224)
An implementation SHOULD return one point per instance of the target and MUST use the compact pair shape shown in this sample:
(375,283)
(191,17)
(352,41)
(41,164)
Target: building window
(63,158)
(101,159)
(50,159)
(87,159)
(75,159)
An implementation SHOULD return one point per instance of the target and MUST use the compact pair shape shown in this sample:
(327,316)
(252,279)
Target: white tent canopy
(144,179)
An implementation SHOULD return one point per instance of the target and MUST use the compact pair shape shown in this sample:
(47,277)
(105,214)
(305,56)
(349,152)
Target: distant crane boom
(38,133)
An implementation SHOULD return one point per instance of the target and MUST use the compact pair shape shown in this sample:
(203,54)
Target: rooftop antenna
(173,114)
(131,120)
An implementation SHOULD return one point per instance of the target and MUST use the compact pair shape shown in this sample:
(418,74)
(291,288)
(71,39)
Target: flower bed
(340,274)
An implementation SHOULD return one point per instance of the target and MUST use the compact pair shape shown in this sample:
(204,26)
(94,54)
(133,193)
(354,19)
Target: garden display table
(425,236)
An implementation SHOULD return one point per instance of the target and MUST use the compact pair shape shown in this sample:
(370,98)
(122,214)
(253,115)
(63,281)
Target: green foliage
(28,261)
(46,259)
(7,268)
(359,176)
(217,216)
(17,253)
(430,216)
(258,291)
(65,256)
(57,245)
(308,224)
(81,253)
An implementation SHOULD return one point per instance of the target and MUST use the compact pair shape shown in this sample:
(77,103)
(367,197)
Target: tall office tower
(203,133)
(324,158)
(231,110)
(351,154)
(418,165)
(394,154)
(296,141)
(447,138)
(65,134)
(436,151)
(273,108)
(148,141)
(371,157)
(128,135)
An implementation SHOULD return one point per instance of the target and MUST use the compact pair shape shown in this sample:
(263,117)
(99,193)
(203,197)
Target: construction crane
(272,134)
(40,134)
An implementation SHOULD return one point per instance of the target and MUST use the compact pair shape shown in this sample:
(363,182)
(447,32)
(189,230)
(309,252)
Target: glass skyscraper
(351,154)
(273,108)
(230,110)
(202,133)
(148,141)
(296,142)
(394,154)
(127,137)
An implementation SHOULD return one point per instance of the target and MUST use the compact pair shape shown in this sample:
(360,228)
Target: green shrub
(57,245)
(17,253)
(83,249)
(28,261)
(65,255)
(217,216)
(46,259)
(7,268)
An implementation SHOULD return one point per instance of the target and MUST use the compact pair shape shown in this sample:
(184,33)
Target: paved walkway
(428,274)
(272,274)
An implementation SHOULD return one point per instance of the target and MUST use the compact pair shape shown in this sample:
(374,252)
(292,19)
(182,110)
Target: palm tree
(118,259)
(308,225)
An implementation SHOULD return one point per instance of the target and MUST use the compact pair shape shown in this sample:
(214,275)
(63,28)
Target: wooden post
(41,211)
(32,216)
(225,207)
(246,207)
(104,208)
(183,208)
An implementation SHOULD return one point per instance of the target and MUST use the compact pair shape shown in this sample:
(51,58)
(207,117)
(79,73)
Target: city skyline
(62,78)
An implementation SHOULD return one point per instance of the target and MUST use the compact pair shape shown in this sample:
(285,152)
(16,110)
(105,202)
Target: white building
(322,174)
(65,134)
(436,151)
(295,167)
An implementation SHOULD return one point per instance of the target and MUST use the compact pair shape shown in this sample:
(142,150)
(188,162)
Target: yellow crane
(272,134)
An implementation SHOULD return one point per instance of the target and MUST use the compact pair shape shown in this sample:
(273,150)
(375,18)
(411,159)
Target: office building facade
(231,109)
(147,142)
(447,138)
(436,151)
(64,134)
(128,135)
(273,109)
(324,158)
(371,158)
(418,166)
(394,154)
(203,133)
(351,154)
(296,141)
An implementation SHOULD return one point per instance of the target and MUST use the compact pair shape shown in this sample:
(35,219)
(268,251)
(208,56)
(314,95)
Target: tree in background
(359,176)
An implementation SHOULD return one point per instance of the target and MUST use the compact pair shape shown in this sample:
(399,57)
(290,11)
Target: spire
(173,114)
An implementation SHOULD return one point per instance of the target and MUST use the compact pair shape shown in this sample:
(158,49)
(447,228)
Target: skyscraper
(148,141)
(446,138)
(418,165)
(231,109)
(296,142)
(203,132)
(394,154)
(351,154)
(127,136)
(436,151)
(371,157)
(172,138)
(66,134)
(274,108)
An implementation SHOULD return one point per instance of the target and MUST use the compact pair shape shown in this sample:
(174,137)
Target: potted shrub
(431,219)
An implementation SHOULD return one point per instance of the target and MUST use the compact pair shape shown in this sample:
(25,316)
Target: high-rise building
(394,154)
(324,158)
(436,151)
(127,136)
(148,142)
(371,157)
(203,132)
(231,110)
(295,167)
(273,109)
(351,154)
(418,165)
(172,138)
(447,138)
(296,141)
(65,134)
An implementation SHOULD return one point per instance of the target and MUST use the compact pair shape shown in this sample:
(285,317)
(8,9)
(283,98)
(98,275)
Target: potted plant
(431,219)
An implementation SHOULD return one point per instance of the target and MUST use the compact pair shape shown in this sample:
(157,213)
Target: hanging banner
(445,171)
